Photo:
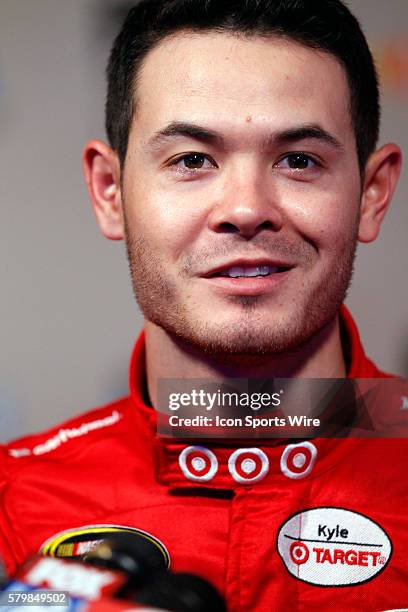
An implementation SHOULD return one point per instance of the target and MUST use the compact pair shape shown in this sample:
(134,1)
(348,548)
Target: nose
(246,205)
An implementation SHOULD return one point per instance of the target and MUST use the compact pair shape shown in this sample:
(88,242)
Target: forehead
(222,77)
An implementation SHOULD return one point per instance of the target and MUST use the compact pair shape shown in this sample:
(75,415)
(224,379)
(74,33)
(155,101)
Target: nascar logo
(333,547)
(74,543)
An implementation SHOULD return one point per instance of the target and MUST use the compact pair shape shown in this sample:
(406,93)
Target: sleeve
(7,557)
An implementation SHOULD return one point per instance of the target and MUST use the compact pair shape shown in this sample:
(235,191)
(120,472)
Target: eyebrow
(180,129)
(186,130)
(305,132)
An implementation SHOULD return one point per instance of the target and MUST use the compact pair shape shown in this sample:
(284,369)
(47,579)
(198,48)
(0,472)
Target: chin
(248,340)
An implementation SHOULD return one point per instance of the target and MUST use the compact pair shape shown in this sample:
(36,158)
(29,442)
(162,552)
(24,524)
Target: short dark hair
(325,25)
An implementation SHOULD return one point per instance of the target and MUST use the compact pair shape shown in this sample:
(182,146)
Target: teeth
(239,271)
(252,272)
(235,272)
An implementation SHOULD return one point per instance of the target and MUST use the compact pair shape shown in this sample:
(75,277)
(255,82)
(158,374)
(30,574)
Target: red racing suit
(281,525)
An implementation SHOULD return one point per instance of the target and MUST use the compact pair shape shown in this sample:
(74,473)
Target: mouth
(248,277)
(248,269)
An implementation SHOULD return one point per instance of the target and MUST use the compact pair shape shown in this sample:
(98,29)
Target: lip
(248,286)
(253,263)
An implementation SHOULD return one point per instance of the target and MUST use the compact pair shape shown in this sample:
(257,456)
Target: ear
(102,174)
(381,177)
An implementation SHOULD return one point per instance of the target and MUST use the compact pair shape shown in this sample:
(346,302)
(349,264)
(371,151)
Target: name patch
(333,547)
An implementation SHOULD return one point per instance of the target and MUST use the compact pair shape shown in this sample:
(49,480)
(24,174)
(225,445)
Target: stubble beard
(162,302)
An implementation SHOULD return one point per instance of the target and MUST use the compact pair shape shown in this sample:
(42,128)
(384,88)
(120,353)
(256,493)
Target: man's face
(241,191)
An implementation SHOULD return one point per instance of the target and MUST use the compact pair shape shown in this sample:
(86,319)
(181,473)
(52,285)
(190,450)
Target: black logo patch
(75,543)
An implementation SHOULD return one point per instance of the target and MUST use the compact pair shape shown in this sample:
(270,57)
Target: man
(242,171)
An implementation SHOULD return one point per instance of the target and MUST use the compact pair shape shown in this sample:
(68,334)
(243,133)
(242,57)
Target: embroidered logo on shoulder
(333,547)
(65,435)
(75,543)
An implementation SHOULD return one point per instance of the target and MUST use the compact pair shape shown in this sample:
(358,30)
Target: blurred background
(68,319)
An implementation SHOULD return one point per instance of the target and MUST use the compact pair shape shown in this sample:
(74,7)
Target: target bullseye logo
(298,459)
(299,552)
(198,463)
(248,465)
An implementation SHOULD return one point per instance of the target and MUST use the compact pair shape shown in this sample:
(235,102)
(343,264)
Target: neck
(169,357)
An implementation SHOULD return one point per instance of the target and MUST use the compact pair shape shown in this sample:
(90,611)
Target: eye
(298,161)
(193,161)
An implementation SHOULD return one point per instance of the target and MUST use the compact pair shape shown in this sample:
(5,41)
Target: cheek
(327,221)
(163,221)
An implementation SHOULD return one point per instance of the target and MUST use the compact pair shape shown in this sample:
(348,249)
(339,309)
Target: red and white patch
(198,463)
(248,465)
(297,460)
(333,547)
(79,579)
